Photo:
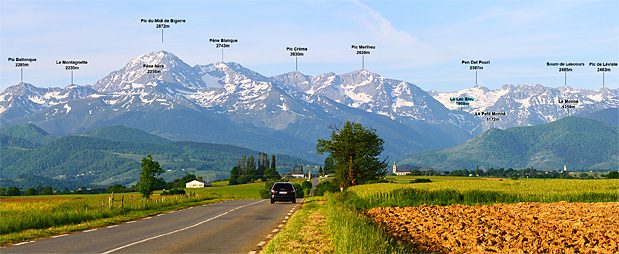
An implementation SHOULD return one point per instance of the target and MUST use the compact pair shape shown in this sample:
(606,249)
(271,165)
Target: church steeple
(395,167)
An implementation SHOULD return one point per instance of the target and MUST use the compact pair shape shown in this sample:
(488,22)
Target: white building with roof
(194,184)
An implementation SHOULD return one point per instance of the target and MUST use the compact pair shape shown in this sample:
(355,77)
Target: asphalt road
(236,226)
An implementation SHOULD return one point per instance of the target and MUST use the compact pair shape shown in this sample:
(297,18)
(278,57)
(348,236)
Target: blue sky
(422,42)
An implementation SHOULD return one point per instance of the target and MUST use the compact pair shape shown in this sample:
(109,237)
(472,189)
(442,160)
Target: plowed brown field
(505,228)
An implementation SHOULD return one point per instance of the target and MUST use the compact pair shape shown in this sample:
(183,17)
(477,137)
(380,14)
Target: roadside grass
(304,232)
(324,225)
(353,232)
(24,218)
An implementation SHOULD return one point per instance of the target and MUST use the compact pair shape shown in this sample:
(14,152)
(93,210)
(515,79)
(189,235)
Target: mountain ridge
(229,103)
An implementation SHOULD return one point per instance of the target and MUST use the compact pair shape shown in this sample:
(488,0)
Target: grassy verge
(324,225)
(353,232)
(305,231)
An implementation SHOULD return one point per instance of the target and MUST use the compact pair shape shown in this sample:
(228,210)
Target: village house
(194,184)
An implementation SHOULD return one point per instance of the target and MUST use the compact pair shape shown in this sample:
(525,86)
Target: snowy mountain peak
(159,66)
(236,68)
(156,57)
(481,88)
(362,74)
(222,74)
(296,79)
(24,98)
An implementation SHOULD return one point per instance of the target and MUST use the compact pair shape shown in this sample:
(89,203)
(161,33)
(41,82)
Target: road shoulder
(305,232)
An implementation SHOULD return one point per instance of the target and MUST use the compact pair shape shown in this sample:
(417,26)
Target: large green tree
(329,166)
(148,177)
(354,151)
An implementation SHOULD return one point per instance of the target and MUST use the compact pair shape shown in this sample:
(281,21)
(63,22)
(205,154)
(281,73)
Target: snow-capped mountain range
(228,103)
(526,105)
(25,99)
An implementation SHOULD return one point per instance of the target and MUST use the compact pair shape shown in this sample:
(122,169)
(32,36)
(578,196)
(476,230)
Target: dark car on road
(283,191)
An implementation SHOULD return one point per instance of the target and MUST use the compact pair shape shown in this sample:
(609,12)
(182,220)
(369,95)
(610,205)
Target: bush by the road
(326,186)
(300,191)
(266,191)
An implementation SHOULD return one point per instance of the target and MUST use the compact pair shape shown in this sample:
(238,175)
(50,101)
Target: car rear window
(283,186)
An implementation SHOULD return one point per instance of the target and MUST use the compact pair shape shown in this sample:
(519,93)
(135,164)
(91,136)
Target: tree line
(248,169)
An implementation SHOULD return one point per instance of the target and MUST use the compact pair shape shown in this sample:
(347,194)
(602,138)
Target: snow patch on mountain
(482,98)
(67,107)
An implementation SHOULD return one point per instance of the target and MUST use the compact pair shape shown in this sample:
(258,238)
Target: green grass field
(470,190)
(222,190)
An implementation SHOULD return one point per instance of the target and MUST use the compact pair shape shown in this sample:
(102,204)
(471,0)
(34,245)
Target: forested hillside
(109,155)
(579,143)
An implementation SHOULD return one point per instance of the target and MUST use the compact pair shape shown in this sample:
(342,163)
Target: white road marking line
(289,214)
(286,217)
(260,244)
(280,225)
(269,236)
(161,214)
(129,222)
(147,218)
(90,230)
(190,208)
(284,221)
(252,252)
(56,236)
(275,230)
(113,226)
(22,243)
(181,229)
